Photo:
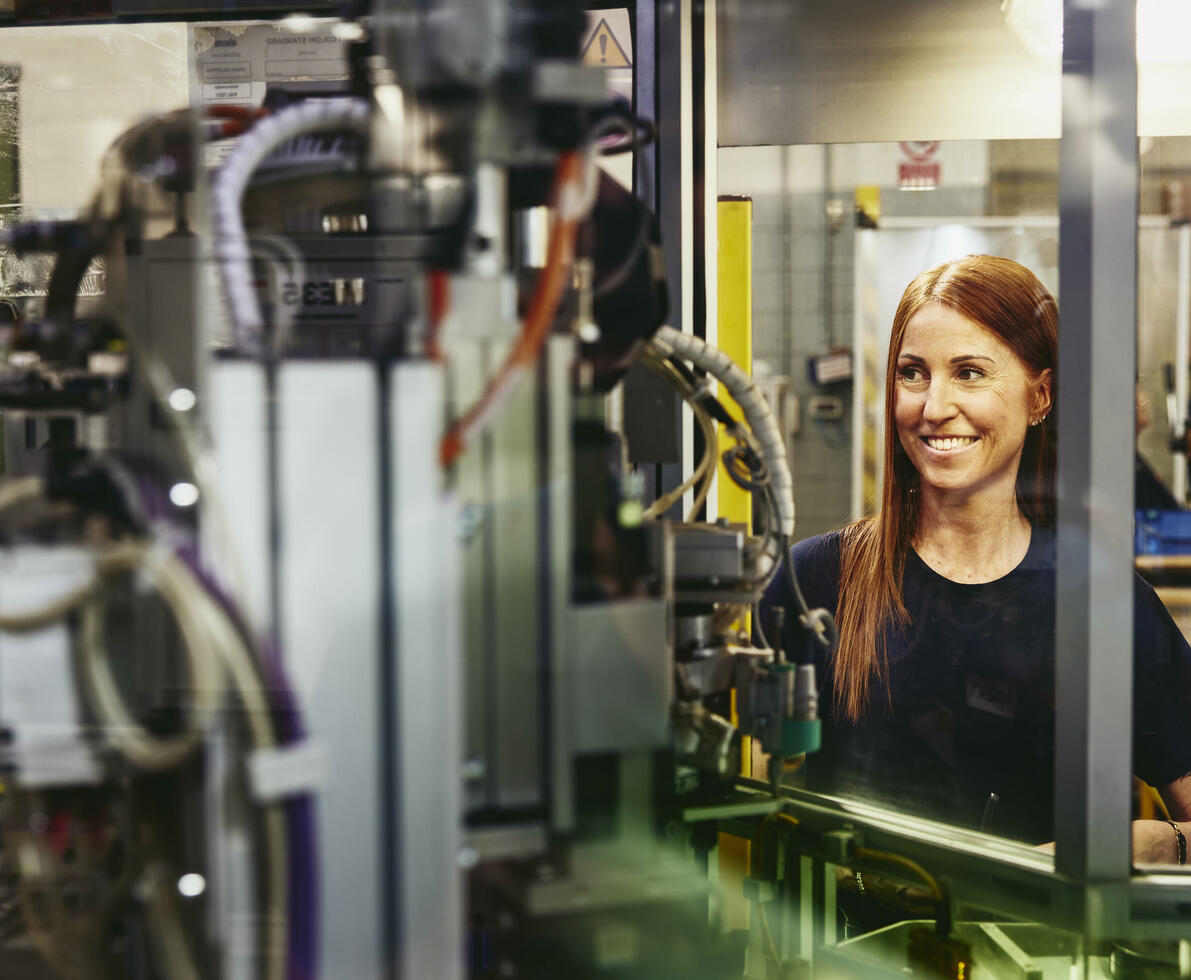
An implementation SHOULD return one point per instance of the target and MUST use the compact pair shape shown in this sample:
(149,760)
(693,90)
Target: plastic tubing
(573,196)
(231,240)
(755,408)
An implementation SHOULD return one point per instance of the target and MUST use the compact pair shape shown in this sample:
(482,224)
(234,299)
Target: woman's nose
(939,403)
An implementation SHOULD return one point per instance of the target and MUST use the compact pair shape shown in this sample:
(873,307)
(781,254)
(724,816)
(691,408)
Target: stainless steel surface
(864,70)
(497,483)
(1094,607)
(558,493)
(622,675)
(514,578)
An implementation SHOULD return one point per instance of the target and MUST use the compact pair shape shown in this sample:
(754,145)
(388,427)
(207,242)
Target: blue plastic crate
(1162,532)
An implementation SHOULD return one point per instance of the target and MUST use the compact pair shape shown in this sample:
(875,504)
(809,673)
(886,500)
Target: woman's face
(962,403)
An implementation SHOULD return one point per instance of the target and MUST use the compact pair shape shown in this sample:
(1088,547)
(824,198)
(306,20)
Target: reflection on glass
(947,711)
(1163,525)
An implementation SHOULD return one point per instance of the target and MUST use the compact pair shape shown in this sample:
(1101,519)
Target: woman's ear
(1043,388)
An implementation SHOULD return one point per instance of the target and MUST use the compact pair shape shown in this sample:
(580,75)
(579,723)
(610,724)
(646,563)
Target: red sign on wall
(921,171)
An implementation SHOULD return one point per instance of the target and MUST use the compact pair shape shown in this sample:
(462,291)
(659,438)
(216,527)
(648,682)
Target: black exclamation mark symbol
(604,49)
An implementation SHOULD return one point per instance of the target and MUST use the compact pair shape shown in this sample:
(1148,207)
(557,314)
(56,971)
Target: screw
(471,519)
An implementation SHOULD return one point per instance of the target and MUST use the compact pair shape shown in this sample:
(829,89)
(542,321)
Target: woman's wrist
(1180,842)
(1159,842)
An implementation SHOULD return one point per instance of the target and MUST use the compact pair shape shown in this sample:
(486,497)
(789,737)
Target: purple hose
(300,813)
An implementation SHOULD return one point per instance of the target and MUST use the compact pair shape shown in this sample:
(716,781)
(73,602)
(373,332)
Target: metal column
(1094,615)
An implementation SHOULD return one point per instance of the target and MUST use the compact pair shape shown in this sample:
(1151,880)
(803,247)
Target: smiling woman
(940,697)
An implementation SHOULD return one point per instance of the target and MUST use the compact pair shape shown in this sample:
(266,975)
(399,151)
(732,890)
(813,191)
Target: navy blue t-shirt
(969,710)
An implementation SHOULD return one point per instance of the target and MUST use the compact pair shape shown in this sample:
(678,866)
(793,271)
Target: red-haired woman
(940,697)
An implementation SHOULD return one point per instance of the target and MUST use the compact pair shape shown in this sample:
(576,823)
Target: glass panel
(842,230)
(1163,670)
(961,729)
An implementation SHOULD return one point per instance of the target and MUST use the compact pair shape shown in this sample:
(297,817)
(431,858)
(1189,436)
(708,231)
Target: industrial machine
(338,636)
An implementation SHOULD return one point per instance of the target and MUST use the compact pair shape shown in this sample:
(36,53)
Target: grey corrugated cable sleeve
(755,408)
(231,240)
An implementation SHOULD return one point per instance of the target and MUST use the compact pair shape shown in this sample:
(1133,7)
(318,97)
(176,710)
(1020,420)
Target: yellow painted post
(735,338)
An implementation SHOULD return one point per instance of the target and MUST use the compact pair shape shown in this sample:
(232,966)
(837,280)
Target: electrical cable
(897,860)
(704,471)
(640,132)
(18,490)
(820,622)
(210,640)
(614,279)
(754,407)
(759,628)
(166,925)
(143,749)
(573,194)
(294,271)
(232,250)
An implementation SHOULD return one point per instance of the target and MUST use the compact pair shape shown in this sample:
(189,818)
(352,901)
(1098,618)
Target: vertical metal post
(822,905)
(556,433)
(329,548)
(645,95)
(426,691)
(1097,355)
(734,263)
(1182,360)
(674,201)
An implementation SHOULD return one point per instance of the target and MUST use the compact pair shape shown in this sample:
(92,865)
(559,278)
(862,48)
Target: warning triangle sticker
(603,50)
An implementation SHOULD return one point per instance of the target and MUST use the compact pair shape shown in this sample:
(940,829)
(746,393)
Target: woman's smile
(949,444)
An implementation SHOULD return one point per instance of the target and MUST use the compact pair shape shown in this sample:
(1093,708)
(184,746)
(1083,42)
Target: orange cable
(548,291)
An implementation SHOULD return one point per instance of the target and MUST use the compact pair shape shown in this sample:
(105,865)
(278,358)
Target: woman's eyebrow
(955,360)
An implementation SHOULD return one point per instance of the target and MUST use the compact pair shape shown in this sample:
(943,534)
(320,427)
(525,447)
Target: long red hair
(1007,299)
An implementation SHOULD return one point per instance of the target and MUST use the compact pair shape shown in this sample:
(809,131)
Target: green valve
(799,737)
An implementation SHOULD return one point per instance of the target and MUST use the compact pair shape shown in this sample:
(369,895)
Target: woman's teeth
(951,442)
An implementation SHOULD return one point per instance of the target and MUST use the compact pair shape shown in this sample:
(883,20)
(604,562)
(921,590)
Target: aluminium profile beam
(1097,356)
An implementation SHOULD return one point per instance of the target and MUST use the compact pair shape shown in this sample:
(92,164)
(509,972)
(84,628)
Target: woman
(939,698)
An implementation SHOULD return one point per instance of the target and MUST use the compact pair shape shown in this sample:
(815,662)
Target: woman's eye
(968,373)
(910,373)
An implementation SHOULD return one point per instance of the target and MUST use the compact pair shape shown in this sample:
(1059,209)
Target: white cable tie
(287,770)
(148,572)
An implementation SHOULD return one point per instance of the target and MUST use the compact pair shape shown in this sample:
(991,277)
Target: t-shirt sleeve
(1161,692)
